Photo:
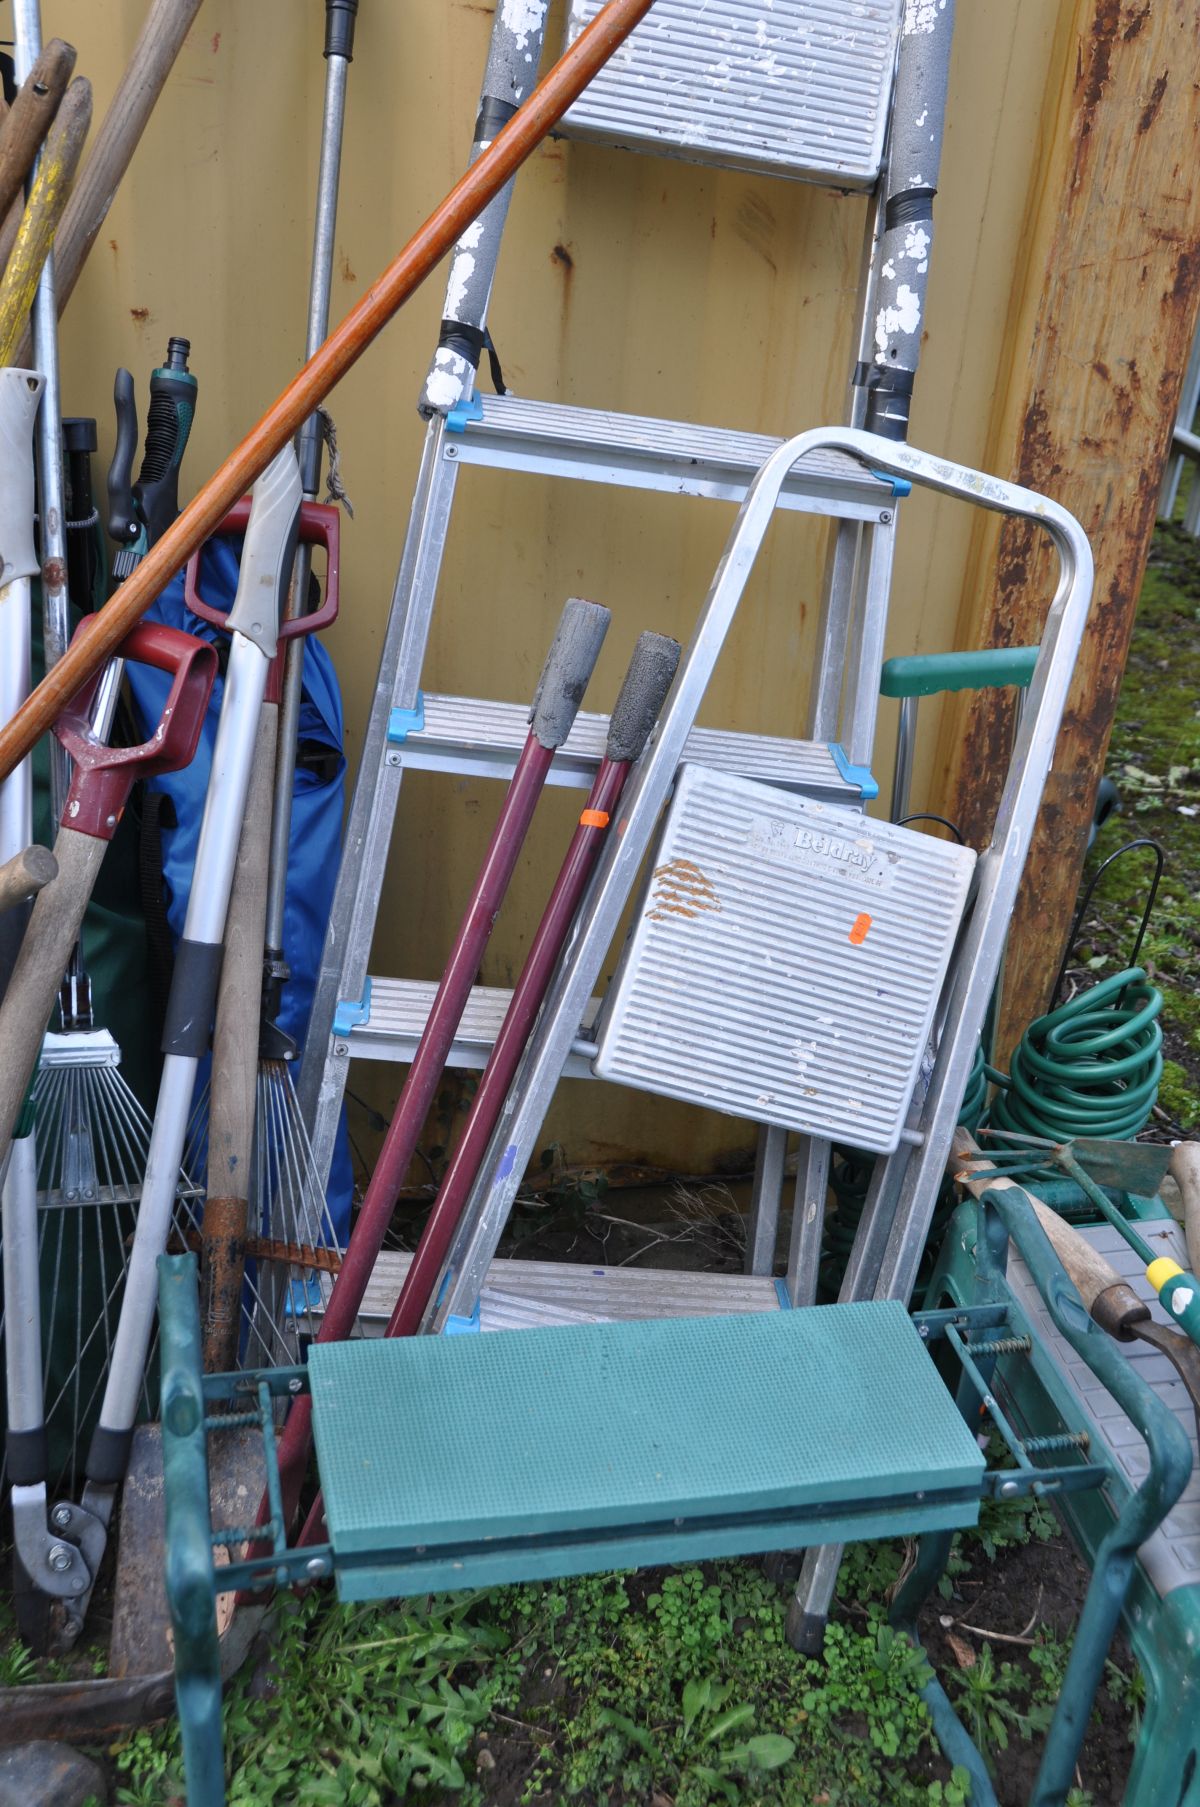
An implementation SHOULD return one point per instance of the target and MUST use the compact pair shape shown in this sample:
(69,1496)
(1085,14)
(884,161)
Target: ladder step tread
(545,1292)
(458,725)
(637,450)
(436,1450)
(400,1009)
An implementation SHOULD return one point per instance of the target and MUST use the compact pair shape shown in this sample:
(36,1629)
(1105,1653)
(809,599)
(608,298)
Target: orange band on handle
(858,930)
(594,818)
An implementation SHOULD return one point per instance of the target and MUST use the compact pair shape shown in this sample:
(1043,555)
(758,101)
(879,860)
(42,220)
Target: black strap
(158,812)
(910,204)
(493,115)
(471,342)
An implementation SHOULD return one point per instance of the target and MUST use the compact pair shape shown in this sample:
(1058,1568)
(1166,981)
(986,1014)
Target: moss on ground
(1154,760)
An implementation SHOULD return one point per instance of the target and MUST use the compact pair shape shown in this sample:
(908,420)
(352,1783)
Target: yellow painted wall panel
(625,281)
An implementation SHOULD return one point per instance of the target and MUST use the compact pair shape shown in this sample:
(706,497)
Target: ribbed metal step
(1171,1557)
(467,734)
(523,1295)
(466,1461)
(798,88)
(637,452)
(398,1009)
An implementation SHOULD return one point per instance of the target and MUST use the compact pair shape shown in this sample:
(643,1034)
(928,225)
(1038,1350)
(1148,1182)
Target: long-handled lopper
(57,1557)
(564,679)
(236,1034)
(254,622)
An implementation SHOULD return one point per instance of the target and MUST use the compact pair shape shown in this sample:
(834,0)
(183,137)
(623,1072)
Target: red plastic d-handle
(103,776)
(320,525)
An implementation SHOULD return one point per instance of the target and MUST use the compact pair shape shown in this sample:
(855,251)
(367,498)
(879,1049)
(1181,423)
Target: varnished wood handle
(1091,1274)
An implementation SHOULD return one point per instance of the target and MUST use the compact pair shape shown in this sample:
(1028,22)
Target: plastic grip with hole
(930,674)
(320,525)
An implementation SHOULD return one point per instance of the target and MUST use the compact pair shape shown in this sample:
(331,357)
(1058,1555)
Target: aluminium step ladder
(787,88)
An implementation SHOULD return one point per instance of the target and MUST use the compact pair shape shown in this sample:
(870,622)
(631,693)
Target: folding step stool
(789,89)
(452,1462)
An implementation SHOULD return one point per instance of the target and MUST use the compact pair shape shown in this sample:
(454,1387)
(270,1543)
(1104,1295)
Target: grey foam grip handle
(651,671)
(569,665)
(52,933)
(1185,1170)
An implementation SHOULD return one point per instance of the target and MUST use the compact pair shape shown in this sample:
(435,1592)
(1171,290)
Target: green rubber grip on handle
(1180,1295)
(929,674)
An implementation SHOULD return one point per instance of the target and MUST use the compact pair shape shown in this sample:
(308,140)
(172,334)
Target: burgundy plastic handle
(320,525)
(104,776)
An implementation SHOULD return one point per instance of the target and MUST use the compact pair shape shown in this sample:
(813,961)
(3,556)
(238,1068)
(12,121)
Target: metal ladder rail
(449,382)
(903,1190)
(974,973)
(1180,453)
(892,286)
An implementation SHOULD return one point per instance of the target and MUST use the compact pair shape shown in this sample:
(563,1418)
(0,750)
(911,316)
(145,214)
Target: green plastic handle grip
(928,674)
(1179,1292)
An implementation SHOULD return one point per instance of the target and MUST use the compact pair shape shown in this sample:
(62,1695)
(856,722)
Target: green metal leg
(1166,1765)
(190,1578)
(933,1553)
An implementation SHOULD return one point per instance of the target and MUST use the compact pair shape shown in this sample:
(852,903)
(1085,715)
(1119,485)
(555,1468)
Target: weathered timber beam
(1101,321)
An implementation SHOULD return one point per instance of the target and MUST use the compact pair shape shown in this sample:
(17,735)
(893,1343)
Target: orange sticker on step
(858,929)
(594,818)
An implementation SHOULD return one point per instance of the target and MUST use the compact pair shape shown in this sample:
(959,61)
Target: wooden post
(1101,321)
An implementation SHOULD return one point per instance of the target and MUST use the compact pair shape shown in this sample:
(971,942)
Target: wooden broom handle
(235,1066)
(1185,1170)
(52,932)
(30,117)
(466,200)
(1087,1268)
(27,873)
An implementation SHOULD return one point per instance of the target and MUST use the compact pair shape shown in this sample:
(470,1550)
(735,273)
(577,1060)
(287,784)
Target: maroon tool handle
(564,679)
(103,776)
(505,1057)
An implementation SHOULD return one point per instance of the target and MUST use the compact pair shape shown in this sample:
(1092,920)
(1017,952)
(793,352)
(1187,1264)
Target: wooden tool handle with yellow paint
(44,209)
